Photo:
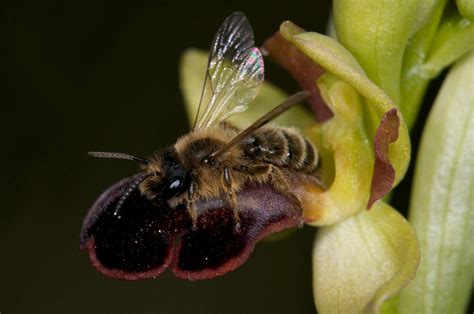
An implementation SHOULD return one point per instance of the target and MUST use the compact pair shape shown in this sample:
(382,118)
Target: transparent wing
(234,72)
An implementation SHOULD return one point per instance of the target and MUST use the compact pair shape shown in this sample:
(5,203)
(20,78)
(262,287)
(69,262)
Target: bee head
(164,176)
(172,181)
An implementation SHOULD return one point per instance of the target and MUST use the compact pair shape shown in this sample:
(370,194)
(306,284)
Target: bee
(216,159)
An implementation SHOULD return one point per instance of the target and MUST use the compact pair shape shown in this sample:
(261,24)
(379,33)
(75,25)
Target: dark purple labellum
(146,238)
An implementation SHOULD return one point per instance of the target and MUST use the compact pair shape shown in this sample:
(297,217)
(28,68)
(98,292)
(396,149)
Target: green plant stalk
(414,85)
(441,42)
(454,38)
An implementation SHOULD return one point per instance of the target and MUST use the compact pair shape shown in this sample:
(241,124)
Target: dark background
(80,76)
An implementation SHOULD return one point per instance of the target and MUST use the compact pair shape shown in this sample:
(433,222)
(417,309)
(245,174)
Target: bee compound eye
(175,184)
(174,187)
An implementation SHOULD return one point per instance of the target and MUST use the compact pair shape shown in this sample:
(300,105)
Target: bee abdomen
(301,153)
(281,147)
(268,145)
(296,149)
(311,158)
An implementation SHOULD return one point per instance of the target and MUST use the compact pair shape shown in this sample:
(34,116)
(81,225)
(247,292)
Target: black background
(94,75)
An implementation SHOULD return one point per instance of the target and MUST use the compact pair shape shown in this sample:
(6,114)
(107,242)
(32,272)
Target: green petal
(454,38)
(362,261)
(441,208)
(414,84)
(377,32)
(192,71)
(331,55)
(466,8)
(347,158)
(445,38)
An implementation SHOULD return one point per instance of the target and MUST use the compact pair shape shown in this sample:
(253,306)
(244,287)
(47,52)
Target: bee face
(173,179)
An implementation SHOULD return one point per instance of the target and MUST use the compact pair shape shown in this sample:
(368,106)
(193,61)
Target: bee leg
(278,179)
(232,197)
(267,173)
(191,206)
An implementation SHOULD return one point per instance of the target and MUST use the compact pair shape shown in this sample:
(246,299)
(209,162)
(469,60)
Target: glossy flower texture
(148,238)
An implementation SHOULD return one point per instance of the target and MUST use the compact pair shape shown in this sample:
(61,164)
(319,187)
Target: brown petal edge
(383,176)
(302,68)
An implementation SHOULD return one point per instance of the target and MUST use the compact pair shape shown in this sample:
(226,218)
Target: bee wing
(234,72)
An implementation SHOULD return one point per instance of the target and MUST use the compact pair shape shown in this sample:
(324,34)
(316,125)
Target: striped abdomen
(281,147)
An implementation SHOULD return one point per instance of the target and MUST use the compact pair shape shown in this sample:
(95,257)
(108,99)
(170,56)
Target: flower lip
(147,238)
(129,246)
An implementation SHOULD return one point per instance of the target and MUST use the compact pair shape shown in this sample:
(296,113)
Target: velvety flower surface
(145,238)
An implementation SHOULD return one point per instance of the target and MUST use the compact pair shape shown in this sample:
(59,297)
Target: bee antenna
(118,156)
(130,189)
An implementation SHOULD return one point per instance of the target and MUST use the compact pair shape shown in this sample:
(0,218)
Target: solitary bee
(217,159)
